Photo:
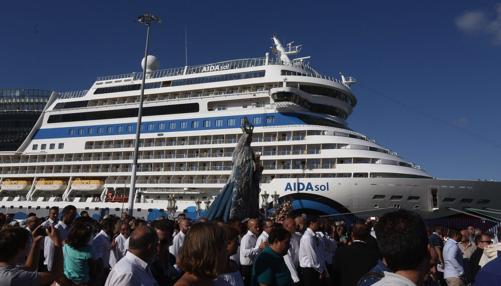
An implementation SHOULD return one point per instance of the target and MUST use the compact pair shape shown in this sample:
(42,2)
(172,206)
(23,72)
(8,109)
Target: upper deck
(303,69)
(211,67)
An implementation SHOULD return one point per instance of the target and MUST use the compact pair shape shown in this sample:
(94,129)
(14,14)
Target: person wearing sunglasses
(481,241)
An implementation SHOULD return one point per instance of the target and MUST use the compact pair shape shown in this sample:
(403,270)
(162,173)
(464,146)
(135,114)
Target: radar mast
(283,53)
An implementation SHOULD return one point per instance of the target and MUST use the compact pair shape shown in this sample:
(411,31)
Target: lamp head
(148,18)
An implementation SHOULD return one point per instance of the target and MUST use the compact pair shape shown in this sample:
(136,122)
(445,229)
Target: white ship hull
(362,197)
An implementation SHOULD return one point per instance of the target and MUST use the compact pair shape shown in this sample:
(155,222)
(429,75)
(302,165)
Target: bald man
(132,269)
(300,225)
(292,257)
(249,250)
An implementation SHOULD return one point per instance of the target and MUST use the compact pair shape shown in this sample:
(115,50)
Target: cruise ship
(80,150)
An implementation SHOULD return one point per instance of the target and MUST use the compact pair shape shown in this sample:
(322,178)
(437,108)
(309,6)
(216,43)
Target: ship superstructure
(80,149)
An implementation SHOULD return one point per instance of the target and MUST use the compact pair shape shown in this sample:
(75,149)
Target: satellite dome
(152,64)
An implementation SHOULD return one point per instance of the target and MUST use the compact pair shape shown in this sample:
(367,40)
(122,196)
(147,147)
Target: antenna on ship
(284,53)
(146,19)
(281,51)
(348,81)
(185,45)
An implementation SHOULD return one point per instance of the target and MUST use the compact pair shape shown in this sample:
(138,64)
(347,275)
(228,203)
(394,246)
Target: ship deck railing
(224,65)
(72,94)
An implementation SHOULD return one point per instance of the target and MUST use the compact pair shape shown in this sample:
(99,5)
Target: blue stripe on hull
(258,120)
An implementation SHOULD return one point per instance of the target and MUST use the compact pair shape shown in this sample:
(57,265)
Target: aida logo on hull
(215,68)
(307,187)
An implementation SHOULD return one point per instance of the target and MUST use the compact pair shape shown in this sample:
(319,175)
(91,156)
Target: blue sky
(429,72)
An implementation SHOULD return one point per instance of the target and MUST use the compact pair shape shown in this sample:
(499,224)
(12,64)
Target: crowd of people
(397,249)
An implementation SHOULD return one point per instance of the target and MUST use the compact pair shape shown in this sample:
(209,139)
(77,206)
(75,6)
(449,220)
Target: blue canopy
(155,214)
(20,215)
(96,217)
(190,209)
(194,216)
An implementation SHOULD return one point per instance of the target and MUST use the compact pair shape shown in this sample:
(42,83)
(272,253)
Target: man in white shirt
(311,259)
(248,250)
(292,257)
(453,260)
(118,248)
(50,221)
(63,226)
(52,217)
(263,237)
(466,246)
(133,268)
(177,242)
(329,246)
(101,244)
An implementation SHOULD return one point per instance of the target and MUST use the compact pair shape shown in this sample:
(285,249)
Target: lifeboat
(87,185)
(15,185)
(51,185)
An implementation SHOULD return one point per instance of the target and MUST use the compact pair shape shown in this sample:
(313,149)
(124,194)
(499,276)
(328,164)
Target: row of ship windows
(233,138)
(445,200)
(52,146)
(269,151)
(124,113)
(194,124)
(330,92)
(313,107)
(206,153)
(325,163)
(223,152)
(191,167)
(309,164)
(226,91)
(314,89)
(179,82)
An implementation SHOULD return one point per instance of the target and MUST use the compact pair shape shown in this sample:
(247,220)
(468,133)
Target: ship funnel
(152,64)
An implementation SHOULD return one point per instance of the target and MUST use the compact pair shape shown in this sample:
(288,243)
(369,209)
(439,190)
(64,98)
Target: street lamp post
(146,19)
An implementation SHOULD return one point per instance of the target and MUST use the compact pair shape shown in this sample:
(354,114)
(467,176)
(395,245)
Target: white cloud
(481,22)
(495,26)
(472,21)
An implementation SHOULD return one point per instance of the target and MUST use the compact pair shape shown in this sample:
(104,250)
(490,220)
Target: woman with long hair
(231,273)
(78,253)
(203,255)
